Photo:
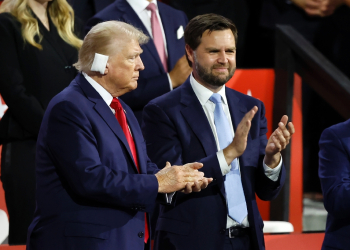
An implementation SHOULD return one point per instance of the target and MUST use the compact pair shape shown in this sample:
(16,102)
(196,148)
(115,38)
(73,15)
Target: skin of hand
(239,143)
(180,72)
(278,141)
(329,6)
(175,178)
(197,186)
(320,8)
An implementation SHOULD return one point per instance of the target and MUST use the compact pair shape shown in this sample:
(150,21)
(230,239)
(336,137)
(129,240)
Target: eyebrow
(137,53)
(216,49)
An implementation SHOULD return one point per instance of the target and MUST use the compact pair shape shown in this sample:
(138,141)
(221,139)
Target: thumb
(195,165)
(167,165)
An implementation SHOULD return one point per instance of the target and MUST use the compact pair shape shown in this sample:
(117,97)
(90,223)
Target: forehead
(131,46)
(218,38)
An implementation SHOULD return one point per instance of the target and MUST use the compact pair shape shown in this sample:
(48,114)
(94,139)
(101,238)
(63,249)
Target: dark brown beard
(211,79)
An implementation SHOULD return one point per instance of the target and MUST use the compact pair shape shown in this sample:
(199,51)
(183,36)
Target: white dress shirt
(106,96)
(203,94)
(139,6)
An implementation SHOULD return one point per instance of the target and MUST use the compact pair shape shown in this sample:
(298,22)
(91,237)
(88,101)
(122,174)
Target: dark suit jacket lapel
(237,112)
(196,118)
(104,111)
(237,109)
(101,4)
(131,17)
(170,33)
(138,139)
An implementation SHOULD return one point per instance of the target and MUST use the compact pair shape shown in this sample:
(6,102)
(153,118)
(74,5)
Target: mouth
(221,69)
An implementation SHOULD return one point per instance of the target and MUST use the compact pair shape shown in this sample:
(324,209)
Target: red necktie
(120,115)
(157,35)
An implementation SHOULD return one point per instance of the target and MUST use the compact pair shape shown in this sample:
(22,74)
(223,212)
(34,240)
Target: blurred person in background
(164,55)
(39,43)
(334,173)
(325,24)
(85,9)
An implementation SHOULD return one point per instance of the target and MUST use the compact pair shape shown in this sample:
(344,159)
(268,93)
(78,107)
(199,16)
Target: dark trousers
(237,243)
(18,179)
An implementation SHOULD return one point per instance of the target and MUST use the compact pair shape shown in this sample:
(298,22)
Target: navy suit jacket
(153,80)
(89,194)
(85,9)
(176,129)
(334,172)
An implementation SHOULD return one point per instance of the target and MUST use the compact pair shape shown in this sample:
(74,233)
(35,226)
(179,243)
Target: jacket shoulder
(8,20)
(243,97)
(171,98)
(342,129)
(168,8)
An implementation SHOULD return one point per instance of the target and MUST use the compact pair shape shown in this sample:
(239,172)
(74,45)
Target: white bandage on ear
(99,63)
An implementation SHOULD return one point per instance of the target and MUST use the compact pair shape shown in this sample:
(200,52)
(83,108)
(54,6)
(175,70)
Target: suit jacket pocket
(173,226)
(74,229)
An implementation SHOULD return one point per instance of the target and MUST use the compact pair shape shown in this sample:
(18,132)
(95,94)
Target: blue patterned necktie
(237,208)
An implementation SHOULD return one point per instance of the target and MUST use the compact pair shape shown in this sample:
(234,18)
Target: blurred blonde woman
(39,43)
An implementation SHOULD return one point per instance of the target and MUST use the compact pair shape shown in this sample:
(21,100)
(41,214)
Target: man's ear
(189,52)
(107,69)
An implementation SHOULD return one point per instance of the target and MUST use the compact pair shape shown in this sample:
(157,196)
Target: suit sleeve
(24,107)
(334,173)
(76,154)
(265,188)
(163,143)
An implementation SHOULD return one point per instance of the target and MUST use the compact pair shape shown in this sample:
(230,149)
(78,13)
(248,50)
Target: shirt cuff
(222,162)
(273,173)
(170,82)
(169,197)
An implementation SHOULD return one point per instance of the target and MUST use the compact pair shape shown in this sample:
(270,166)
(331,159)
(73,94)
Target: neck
(103,81)
(213,88)
(40,9)
(97,77)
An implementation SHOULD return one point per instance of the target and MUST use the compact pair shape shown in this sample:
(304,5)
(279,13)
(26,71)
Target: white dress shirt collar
(106,96)
(140,5)
(203,94)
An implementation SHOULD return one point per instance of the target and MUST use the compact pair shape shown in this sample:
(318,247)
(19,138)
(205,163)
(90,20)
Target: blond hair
(107,38)
(61,14)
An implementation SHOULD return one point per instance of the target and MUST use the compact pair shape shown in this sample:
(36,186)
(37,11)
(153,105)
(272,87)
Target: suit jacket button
(223,231)
(140,234)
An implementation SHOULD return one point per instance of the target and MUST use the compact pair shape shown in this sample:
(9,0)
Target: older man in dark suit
(95,183)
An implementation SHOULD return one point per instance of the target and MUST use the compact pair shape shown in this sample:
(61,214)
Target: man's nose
(222,57)
(139,64)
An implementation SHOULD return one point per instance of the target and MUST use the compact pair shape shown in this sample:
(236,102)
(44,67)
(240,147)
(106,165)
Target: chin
(133,85)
